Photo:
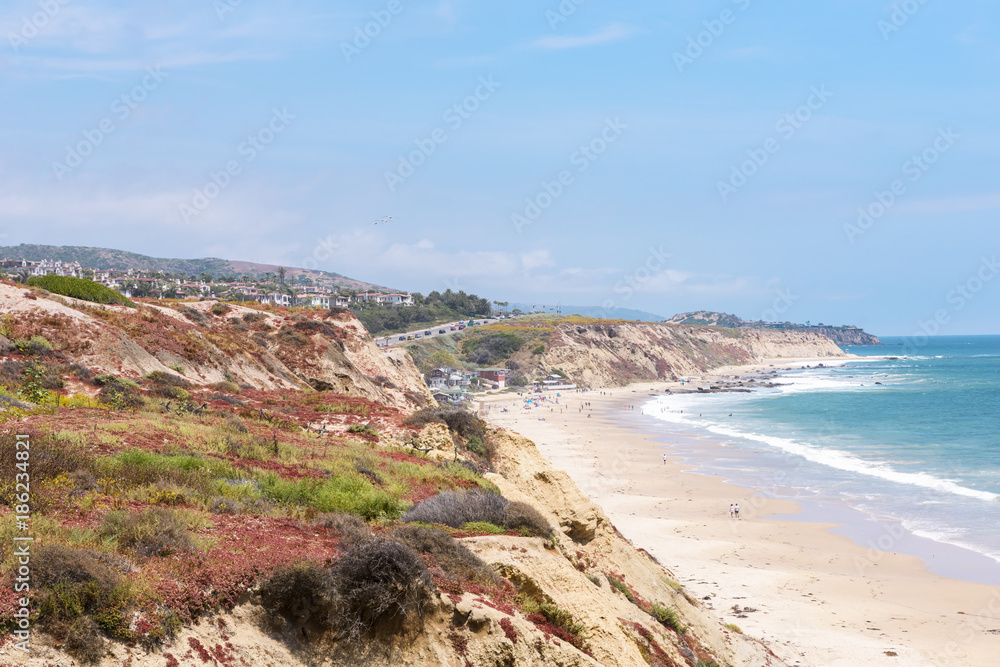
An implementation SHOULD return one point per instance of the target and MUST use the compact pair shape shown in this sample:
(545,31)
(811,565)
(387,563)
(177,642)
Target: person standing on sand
(732,510)
(736,508)
(664,459)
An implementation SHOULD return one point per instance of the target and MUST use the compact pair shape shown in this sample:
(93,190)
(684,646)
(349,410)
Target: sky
(826,161)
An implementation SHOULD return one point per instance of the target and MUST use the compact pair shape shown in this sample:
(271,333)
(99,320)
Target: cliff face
(257,349)
(847,335)
(617,353)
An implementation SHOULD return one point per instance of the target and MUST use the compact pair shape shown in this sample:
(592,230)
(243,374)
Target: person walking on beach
(736,509)
(732,510)
(664,459)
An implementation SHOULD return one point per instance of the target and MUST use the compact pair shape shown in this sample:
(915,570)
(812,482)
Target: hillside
(106,258)
(841,335)
(602,353)
(214,486)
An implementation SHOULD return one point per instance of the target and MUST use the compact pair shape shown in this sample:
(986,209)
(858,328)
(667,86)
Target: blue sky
(699,155)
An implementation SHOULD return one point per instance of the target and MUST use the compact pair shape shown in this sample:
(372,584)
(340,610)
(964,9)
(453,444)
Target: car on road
(402,338)
(441,331)
(454,328)
(428,333)
(461,326)
(417,336)
(410,337)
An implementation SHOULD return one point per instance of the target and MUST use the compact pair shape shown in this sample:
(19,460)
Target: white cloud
(609,33)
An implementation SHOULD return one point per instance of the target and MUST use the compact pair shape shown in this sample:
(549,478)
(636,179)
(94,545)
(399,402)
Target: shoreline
(817,597)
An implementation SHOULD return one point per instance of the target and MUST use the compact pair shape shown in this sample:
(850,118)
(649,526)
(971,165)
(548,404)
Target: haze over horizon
(666,159)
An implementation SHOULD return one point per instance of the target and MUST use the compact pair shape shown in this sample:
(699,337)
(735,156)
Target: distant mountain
(841,335)
(593,311)
(121,260)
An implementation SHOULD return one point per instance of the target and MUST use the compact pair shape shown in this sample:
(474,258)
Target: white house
(397,299)
(320,301)
(277,299)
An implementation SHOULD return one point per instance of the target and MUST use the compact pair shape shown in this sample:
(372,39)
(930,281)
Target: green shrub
(538,350)
(518,381)
(732,627)
(352,493)
(668,617)
(36,345)
(177,367)
(483,527)
(491,348)
(32,382)
(475,445)
(362,429)
(219,309)
(80,288)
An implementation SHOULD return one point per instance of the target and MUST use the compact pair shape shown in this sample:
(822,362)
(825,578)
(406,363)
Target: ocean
(901,446)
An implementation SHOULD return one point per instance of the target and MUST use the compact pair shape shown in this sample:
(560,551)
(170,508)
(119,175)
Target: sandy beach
(814,597)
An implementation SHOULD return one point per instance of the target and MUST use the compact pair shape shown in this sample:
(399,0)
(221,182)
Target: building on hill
(57,268)
(497,376)
(277,299)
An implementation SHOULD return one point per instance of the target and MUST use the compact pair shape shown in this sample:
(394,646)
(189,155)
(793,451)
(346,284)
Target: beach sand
(814,597)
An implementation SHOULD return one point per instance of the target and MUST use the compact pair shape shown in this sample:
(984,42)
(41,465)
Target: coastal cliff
(188,459)
(615,353)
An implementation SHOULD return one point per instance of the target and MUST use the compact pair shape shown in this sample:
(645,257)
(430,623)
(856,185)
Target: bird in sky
(381,220)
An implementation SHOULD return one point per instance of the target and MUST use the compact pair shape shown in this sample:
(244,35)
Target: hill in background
(841,335)
(107,258)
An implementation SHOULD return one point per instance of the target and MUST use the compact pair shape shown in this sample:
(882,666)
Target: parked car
(428,333)
(402,338)
(441,331)
(410,337)
(416,335)
(454,328)
(461,326)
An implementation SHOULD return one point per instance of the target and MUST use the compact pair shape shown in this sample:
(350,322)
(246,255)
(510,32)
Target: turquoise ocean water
(911,441)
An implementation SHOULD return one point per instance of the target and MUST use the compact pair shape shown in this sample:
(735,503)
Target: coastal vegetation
(80,288)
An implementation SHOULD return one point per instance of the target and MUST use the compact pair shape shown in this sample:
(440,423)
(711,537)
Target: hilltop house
(277,299)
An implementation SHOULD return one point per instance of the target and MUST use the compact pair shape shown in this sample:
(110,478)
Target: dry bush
(164,378)
(85,642)
(251,318)
(456,508)
(310,327)
(152,532)
(460,422)
(450,554)
(194,315)
(290,336)
(302,594)
(379,585)
(524,517)
(120,395)
(350,527)
(48,460)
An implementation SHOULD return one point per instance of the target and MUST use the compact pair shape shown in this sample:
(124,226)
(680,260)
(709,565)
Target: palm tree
(281,274)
